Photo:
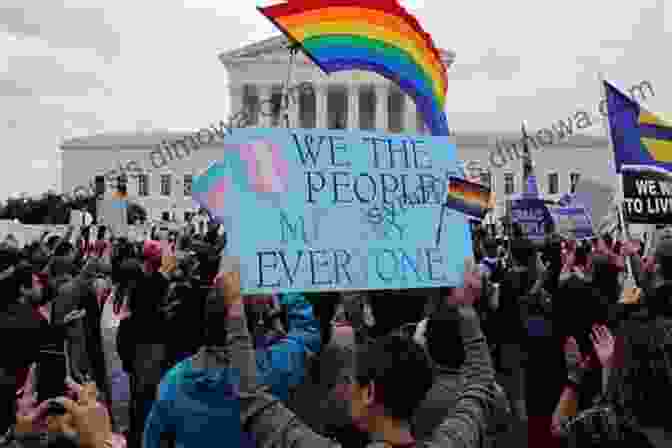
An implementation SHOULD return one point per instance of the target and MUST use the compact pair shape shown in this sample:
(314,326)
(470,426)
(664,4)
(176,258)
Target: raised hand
(576,363)
(603,341)
(630,248)
(29,416)
(470,292)
(87,417)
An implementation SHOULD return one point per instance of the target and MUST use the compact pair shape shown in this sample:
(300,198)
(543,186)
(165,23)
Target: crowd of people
(543,334)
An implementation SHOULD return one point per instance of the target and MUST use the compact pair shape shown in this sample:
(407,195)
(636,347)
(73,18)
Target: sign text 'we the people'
(317,235)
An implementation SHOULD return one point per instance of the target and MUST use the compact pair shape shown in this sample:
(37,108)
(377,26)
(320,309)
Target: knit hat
(152,254)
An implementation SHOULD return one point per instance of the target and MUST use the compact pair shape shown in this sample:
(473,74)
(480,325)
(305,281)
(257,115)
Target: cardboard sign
(532,215)
(316,210)
(76,217)
(113,213)
(647,197)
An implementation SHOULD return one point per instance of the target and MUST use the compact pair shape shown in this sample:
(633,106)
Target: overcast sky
(71,68)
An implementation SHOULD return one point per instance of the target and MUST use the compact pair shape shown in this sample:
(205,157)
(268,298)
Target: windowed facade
(367,108)
(396,109)
(509,184)
(486,178)
(165,184)
(307,109)
(337,108)
(143,185)
(251,103)
(553,183)
(574,179)
(188,182)
(276,106)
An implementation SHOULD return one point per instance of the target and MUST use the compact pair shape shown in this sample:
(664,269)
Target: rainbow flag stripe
(376,35)
(468,198)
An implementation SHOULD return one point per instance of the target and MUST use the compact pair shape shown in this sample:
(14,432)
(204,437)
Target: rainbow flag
(639,137)
(372,35)
(468,198)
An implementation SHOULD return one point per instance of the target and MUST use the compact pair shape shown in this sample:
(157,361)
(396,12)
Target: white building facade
(345,100)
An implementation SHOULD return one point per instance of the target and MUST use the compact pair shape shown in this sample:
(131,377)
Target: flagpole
(293,49)
(621,220)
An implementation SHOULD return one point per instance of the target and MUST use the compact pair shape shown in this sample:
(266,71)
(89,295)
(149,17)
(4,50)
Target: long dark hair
(641,384)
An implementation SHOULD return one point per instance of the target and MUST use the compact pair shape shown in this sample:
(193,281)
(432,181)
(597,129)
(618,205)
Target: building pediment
(275,50)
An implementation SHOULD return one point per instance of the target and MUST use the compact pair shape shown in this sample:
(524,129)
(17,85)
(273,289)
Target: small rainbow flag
(468,198)
(373,35)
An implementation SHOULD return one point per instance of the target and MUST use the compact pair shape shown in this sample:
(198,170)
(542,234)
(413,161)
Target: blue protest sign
(532,215)
(315,210)
(573,221)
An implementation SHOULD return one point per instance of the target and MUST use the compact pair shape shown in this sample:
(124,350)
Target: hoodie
(197,401)
(197,406)
(282,364)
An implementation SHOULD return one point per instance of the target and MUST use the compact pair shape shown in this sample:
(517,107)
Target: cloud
(10,87)
(495,67)
(62,26)
(45,76)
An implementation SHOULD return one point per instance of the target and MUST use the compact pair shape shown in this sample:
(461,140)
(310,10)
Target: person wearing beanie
(152,254)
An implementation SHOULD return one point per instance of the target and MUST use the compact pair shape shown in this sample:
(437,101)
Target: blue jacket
(281,365)
(195,407)
(197,403)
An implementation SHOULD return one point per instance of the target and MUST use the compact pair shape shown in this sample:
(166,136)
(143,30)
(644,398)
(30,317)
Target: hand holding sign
(470,291)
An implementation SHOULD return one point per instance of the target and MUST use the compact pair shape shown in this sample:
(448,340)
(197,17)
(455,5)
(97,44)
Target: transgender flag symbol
(266,169)
(210,188)
(263,171)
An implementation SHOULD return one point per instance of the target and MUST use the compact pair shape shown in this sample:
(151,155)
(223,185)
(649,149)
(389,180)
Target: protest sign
(113,213)
(76,217)
(532,215)
(572,221)
(313,210)
(647,196)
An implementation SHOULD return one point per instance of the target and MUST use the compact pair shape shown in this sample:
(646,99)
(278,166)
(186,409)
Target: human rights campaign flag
(639,137)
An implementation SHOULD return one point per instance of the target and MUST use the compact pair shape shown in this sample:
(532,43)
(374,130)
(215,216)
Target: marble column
(265,106)
(236,100)
(290,109)
(321,106)
(353,106)
(411,117)
(382,97)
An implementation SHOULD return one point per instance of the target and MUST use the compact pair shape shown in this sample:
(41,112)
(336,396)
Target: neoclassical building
(345,100)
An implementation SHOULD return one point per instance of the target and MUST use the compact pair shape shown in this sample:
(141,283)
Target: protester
(327,368)
(381,399)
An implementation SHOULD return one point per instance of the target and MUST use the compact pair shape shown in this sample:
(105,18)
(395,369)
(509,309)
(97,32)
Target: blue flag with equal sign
(639,137)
